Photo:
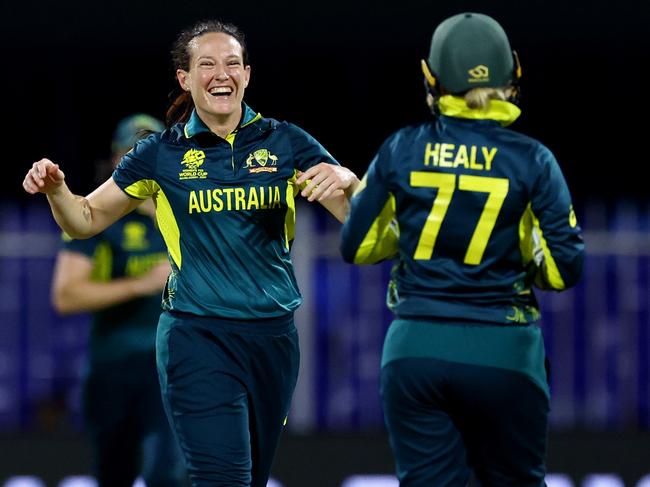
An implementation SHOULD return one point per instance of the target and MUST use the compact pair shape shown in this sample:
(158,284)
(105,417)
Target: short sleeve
(135,174)
(307,151)
(86,247)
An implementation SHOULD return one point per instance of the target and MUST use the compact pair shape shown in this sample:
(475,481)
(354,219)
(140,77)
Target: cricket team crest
(193,160)
(135,236)
(261,161)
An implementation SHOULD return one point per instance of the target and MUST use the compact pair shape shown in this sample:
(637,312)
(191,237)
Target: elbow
(573,278)
(565,276)
(573,270)
(62,304)
(347,257)
(346,254)
(79,235)
(346,250)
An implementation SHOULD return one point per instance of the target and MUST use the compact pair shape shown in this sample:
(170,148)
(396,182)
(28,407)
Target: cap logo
(479,74)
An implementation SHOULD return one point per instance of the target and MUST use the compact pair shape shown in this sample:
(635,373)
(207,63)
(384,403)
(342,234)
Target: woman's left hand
(324,179)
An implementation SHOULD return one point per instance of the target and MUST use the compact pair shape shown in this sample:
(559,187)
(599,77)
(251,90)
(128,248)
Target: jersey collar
(500,111)
(196,126)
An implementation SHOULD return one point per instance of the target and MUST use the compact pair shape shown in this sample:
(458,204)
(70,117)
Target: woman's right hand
(43,177)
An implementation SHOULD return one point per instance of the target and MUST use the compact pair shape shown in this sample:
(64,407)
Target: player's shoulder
(172,135)
(408,135)
(147,145)
(287,127)
(294,134)
(529,145)
(175,135)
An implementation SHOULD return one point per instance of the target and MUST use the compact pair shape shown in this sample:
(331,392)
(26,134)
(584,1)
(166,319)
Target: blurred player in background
(118,276)
(475,215)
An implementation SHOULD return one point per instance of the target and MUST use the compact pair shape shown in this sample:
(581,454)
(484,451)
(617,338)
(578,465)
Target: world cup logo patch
(193,160)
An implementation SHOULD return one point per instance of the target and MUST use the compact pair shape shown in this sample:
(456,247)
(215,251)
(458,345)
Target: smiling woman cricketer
(224,180)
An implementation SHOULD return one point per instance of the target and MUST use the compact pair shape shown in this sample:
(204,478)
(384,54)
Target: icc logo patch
(261,161)
(193,160)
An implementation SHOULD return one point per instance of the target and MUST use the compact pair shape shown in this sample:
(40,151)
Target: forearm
(94,296)
(79,217)
(71,212)
(83,217)
(338,204)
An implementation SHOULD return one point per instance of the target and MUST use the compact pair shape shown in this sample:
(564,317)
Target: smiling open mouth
(224,91)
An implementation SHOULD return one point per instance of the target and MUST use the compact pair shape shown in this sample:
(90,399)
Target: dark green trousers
(227,388)
(462,399)
(126,423)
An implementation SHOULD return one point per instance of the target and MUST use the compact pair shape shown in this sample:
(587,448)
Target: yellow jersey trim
(167,224)
(102,263)
(501,111)
(290,216)
(142,189)
(533,246)
(168,227)
(383,236)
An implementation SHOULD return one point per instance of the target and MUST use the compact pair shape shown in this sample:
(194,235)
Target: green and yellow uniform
(226,211)
(475,215)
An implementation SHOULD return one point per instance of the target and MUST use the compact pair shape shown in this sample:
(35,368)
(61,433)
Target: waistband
(265,326)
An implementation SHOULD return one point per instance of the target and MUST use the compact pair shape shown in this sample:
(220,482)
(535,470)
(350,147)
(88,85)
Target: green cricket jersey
(226,210)
(128,248)
(474,213)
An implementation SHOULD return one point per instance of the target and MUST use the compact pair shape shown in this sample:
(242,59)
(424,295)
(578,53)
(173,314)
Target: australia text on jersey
(237,199)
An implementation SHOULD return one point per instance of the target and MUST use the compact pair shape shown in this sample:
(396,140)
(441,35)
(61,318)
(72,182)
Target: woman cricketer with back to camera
(475,215)
(223,179)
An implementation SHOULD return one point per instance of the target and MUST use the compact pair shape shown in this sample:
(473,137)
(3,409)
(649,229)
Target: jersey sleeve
(135,174)
(370,234)
(550,232)
(307,151)
(86,247)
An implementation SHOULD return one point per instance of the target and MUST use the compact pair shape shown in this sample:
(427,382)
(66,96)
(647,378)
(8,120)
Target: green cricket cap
(471,50)
(132,128)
